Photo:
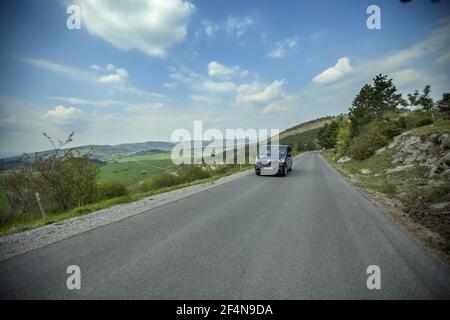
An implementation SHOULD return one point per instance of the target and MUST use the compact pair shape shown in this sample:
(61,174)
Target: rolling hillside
(102,152)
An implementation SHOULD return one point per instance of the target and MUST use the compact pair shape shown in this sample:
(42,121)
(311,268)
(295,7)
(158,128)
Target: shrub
(389,129)
(159,181)
(80,179)
(444,105)
(416,119)
(343,138)
(111,189)
(190,173)
(18,187)
(373,137)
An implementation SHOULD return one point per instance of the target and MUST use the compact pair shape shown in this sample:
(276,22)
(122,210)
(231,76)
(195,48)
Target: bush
(80,180)
(389,129)
(186,173)
(111,189)
(374,136)
(190,173)
(159,181)
(343,138)
(18,187)
(416,119)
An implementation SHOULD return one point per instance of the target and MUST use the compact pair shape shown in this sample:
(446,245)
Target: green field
(3,202)
(131,170)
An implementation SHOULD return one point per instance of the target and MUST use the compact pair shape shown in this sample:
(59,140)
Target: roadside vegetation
(399,148)
(70,184)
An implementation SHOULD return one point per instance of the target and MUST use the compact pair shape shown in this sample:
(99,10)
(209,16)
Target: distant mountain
(99,153)
(306,126)
(151,152)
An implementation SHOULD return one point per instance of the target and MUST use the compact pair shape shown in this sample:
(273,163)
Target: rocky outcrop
(432,151)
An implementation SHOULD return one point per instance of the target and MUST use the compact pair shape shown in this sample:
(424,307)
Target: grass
(440,126)
(131,170)
(3,201)
(378,179)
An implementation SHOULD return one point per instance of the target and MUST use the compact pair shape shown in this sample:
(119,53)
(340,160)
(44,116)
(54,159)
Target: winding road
(309,235)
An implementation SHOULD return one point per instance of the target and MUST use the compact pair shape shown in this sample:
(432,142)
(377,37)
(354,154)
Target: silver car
(274,160)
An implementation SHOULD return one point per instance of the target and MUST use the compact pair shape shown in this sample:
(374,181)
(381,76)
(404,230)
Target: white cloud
(143,108)
(62,113)
(439,38)
(216,69)
(87,102)
(118,76)
(274,107)
(406,76)
(76,74)
(236,27)
(64,70)
(111,78)
(210,28)
(443,60)
(150,26)
(141,93)
(335,73)
(260,94)
(215,86)
(95,67)
(122,72)
(183,74)
(170,85)
(199,98)
(280,48)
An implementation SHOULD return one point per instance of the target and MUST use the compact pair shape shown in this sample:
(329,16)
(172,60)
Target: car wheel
(258,173)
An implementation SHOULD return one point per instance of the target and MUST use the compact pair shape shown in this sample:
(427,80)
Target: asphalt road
(309,235)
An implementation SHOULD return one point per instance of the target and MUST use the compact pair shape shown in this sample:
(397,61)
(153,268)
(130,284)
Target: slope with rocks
(410,178)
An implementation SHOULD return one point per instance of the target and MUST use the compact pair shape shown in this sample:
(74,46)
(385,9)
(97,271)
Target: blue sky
(136,72)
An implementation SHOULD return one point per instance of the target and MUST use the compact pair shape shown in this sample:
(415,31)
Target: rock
(444,141)
(441,205)
(436,182)
(445,160)
(344,159)
(435,139)
(400,168)
(365,171)
(381,150)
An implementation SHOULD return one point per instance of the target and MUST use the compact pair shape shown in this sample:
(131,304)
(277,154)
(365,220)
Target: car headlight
(281,160)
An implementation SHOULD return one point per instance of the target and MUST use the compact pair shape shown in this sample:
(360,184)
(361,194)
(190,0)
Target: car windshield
(269,150)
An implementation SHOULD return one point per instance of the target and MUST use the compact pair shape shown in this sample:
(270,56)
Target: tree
(361,111)
(327,135)
(80,179)
(424,100)
(65,179)
(373,101)
(444,104)
(384,97)
(18,186)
